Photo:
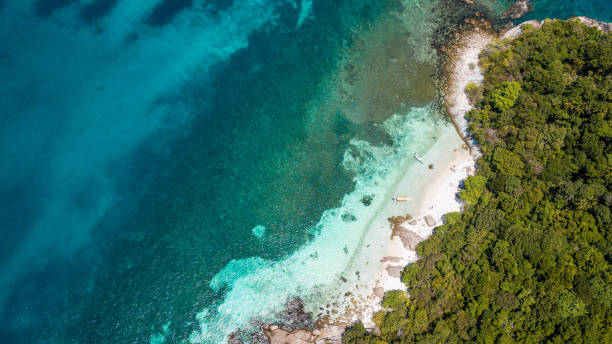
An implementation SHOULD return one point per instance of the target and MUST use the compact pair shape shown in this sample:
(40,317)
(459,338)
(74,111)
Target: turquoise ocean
(174,170)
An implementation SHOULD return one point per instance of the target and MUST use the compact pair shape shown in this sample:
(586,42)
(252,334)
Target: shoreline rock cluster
(517,10)
(297,326)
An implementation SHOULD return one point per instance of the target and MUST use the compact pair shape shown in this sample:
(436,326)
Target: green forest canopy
(528,260)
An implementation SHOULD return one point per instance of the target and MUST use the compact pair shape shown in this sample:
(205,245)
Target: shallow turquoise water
(145,144)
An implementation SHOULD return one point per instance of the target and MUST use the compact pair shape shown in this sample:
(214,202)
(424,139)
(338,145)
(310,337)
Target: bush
(473,91)
(474,187)
(397,300)
(505,95)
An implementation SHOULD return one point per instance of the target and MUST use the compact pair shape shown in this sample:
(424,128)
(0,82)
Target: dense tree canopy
(528,260)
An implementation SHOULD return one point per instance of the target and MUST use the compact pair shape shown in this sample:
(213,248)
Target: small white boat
(418,157)
(400,198)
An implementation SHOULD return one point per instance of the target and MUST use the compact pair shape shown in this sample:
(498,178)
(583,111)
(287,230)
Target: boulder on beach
(396,220)
(395,271)
(390,259)
(409,239)
(429,220)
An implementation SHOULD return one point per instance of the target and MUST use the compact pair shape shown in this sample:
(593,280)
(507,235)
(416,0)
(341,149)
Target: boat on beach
(418,157)
(400,198)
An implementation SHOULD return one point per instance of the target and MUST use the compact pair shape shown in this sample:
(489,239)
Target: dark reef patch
(217,6)
(97,9)
(165,11)
(45,8)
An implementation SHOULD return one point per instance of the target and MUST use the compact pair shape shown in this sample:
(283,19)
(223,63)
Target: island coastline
(440,196)
(463,67)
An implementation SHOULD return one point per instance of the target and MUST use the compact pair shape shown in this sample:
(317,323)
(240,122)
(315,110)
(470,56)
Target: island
(528,258)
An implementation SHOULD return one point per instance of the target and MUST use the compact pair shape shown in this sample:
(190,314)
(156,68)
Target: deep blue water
(142,141)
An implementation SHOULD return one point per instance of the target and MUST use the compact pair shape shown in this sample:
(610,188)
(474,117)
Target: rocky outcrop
(395,271)
(605,27)
(390,259)
(516,31)
(295,316)
(280,336)
(429,220)
(409,239)
(460,69)
(297,327)
(396,220)
(517,10)
(328,333)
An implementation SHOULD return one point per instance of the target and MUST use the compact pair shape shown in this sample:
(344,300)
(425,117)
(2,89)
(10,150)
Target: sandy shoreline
(438,196)
(461,70)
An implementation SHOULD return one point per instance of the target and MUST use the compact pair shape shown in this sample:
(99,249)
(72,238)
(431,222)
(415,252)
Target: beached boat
(400,198)
(418,157)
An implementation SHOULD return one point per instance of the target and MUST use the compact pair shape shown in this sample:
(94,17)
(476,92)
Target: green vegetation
(528,260)
(473,91)
(505,95)
(470,87)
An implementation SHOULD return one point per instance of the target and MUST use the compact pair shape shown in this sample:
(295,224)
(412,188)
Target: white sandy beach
(437,192)
(435,196)
(462,70)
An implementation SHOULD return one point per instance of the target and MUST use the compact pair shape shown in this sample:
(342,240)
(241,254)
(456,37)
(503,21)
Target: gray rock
(605,27)
(429,220)
(390,259)
(410,240)
(395,271)
(517,10)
